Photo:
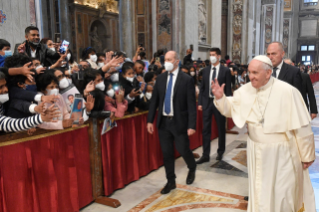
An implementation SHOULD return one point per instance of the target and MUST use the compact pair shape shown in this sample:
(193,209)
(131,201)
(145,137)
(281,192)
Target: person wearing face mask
(8,124)
(100,59)
(145,101)
(5,51)
(174,97)
(192,72)
(131,86)
(89,54)
(34,49)
(150,78)
(114,100)
(47,84)
(206,104)
(22,89)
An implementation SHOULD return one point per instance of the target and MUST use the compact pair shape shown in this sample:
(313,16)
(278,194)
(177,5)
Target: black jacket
(224,76)
(291,75)
(128,87)
(308,91)
(46,56)
(184,102)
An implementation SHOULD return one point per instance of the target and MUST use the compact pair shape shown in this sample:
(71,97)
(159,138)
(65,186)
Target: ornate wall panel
(237,8)
(286,35)
(268,25)
(164,24)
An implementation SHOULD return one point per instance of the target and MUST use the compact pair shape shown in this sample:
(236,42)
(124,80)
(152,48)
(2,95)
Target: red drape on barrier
(314,77)
(50,174)
(129,152)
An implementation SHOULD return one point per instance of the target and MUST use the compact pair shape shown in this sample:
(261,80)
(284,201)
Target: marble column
(65,23)
(216,23)
(126,27)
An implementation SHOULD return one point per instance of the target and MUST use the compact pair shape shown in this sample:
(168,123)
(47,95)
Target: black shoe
(190,177)
(219,157)
(168,187)
(202,160)
(246,198)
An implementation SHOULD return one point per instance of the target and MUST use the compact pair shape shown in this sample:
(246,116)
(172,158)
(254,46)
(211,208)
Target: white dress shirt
(278,69)
(211,76)
(33,53)
(175,73)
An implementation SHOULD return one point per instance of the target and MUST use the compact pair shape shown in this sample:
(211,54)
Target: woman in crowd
(89,54)
(132,87)
(114,100)
(47,84)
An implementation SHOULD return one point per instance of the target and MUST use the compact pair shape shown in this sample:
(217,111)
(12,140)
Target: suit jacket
(45,55)
(184,102)
(224,76)
(291,75)
(128,87)
(308,91)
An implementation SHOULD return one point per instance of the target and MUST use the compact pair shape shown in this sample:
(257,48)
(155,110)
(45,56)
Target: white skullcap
(264,59)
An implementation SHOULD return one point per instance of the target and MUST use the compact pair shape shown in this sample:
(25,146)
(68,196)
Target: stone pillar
(126,28)
(191,27)
(216,23)
(224,28)
(65,23)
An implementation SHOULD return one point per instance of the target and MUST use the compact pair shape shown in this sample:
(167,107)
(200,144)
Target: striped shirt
(9,124)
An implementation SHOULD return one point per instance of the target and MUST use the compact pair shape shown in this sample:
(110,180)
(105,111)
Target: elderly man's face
(170,57)
(275,54)
(257,75)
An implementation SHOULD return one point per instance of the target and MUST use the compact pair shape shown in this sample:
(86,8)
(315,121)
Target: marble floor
(219,186)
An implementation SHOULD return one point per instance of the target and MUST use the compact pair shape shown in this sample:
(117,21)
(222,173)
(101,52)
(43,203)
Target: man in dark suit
(281,70)
(174,96)
(206,104)
(307,92)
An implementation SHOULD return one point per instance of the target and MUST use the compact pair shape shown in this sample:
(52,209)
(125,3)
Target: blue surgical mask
(7,54)
(31,88)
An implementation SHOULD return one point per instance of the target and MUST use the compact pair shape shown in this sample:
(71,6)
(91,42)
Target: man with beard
(34,49)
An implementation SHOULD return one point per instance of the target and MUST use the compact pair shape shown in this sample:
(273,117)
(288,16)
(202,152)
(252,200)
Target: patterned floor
(314,169)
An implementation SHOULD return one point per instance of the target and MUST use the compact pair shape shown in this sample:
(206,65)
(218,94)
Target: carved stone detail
(268,25)
(202,22)
(286,35)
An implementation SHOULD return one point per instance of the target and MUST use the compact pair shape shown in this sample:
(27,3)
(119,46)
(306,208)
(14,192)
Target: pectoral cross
(262,121)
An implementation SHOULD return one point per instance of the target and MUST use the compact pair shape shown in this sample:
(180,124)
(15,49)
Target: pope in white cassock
(280,145)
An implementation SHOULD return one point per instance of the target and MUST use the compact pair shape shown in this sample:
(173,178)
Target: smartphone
(137,90)
(116,88)
(157,59)
(80,73)
(57,37)
(191,47)
(64,46)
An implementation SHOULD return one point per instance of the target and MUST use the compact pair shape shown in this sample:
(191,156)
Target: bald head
(172,57)
(276,53)
(288,61)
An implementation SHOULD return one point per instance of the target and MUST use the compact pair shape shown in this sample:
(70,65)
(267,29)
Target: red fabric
(314,77)
(129,152)
(50,174)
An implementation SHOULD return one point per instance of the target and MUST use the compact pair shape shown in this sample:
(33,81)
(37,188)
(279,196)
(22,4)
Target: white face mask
(53,49)
(169,66)
(100,86)
(100,64)
(4,98)
(192,73)
(148,95)
(131,79)
(115,77)
(64,83)
(110,93)
(54,91)
(70,81)
(40,66)
(93,58)
(213,59)
(68,56)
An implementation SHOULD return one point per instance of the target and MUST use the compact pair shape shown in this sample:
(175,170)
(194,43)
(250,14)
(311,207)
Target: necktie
(274,72)
(168,94)
(213,78)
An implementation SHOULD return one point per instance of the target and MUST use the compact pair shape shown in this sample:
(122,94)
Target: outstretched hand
(217,90)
